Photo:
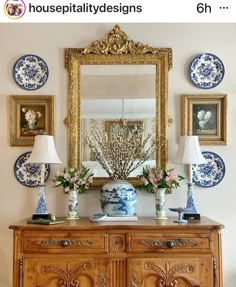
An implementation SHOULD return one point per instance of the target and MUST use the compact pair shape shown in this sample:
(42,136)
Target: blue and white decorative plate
(206,71)
(29,174)
(30,72)
(210,173)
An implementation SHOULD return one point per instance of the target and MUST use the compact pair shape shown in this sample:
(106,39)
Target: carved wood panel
(65,273)
(170,272)
(117,242)
(118,273)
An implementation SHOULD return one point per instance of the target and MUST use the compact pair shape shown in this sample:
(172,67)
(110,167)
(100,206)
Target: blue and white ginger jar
(118,198)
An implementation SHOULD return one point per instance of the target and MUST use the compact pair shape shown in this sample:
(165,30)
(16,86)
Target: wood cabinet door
(67,272)
(171,272)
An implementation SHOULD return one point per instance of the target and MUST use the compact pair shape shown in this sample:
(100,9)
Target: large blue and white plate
(211,173)
(30,72)
(29,174)
(206,71)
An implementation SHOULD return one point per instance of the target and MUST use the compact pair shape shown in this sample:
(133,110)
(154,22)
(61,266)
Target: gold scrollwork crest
(117,43)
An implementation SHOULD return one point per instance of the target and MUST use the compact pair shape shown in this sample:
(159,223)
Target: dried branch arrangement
(124,152)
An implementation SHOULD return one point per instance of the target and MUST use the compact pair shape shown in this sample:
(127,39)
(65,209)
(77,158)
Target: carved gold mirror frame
(116,49)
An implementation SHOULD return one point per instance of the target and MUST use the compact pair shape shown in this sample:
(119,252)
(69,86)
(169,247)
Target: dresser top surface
(143,223)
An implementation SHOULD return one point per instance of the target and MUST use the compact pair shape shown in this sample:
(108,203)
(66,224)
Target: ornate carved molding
(54,242)
(117,242)
(170,243)
(118,267)
(168,277)
(67,276)
(117,43)
(134,279)
(102,280)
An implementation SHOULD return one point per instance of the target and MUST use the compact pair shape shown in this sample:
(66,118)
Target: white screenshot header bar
(126,11)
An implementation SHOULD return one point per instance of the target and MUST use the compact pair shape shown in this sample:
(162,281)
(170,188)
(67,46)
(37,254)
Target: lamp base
(41,206)
(190,199)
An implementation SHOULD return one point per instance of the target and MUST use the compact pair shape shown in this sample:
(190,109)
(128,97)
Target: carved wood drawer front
(149,242)
(64,242)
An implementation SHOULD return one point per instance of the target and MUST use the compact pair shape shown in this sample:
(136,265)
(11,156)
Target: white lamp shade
(189,151)
(44,150)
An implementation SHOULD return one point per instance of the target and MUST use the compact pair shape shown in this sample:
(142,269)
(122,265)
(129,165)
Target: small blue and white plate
(206,71)
(29,174)
(210,173)
(30,72)
(98,217)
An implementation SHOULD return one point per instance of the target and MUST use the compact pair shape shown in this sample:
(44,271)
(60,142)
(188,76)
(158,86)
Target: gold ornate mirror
(111,77)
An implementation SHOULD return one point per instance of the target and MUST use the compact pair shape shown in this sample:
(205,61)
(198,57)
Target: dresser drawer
(64,242)
(149,242)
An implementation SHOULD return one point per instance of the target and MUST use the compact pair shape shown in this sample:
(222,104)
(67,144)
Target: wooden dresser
(146,253)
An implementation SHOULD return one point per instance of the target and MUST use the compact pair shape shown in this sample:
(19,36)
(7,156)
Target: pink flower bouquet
(73,179)
(153,178)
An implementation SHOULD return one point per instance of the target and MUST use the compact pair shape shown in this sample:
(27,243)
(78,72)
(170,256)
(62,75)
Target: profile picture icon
(14,9)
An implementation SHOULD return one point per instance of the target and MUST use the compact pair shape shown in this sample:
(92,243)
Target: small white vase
(160,201)
(73,203)
(32,124)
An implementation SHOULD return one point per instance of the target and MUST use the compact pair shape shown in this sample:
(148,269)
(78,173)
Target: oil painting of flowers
(30,115)
(32,120)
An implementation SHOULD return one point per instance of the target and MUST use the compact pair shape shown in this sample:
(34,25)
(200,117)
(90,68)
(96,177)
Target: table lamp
(44,152)
(189,153)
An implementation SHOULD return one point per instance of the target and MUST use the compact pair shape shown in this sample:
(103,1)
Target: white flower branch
(125,151)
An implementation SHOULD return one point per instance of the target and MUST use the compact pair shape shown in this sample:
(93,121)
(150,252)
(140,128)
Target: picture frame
(30,116)
(129,123)
(204,115)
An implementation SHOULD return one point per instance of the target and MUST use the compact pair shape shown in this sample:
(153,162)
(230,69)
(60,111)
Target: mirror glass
(116,79)
(117,92)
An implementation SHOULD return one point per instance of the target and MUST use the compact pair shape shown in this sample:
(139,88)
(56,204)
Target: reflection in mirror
(115,77)
(110,93)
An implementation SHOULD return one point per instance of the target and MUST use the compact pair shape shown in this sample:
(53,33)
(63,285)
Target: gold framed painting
(109,125)
(204,115)
(30,116)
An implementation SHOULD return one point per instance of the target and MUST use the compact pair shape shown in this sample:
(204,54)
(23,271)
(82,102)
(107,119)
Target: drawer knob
(170,243)
(64,243)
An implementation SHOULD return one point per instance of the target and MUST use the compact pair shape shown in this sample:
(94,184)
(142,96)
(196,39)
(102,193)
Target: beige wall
(48,41)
